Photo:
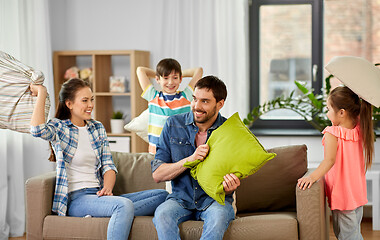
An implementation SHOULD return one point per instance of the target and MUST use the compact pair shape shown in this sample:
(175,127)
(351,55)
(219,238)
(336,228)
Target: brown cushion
(282,225)
(272,188)
(134,173)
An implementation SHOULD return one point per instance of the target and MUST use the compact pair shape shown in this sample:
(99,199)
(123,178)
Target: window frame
(264,126)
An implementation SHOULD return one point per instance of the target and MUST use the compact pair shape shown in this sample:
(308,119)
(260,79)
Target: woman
(86,173)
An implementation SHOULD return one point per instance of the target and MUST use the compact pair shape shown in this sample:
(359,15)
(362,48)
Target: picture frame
(118,84)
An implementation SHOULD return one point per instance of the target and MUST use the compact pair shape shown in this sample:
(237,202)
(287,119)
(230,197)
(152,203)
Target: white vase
(117,126)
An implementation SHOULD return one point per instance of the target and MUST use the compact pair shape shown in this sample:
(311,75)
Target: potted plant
(117,122)
(310,106)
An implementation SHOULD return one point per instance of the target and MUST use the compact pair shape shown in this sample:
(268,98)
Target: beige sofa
(269,206)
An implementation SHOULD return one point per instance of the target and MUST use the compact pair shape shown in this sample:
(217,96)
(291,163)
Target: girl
(86,173)
(348,145)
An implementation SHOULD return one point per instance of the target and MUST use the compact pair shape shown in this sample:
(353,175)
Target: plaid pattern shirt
(63,135)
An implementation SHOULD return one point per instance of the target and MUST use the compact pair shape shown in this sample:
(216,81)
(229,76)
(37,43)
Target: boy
(168,101)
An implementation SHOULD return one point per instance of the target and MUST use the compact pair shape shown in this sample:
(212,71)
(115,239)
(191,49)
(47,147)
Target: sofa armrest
(39,198)
(311,211)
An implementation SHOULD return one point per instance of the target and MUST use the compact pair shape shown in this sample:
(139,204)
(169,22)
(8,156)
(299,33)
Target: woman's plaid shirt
(63,135)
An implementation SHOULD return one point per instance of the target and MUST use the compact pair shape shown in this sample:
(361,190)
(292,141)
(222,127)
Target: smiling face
(81,107)
(204,107)
(169,84)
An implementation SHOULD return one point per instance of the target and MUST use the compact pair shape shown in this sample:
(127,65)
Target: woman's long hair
(67,92)
(344,98)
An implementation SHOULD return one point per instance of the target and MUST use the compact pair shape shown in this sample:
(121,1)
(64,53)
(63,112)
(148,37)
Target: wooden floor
(367,232)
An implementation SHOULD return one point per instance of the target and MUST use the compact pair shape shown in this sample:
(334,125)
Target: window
(286,45)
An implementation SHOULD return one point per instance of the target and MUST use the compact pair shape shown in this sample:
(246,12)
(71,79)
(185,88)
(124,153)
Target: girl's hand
(37,89)
(200,153)
(305,182)
(230,183)
(105,192)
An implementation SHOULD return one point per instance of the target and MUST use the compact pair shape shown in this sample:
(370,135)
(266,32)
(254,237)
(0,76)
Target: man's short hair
(214,84)
(167,66)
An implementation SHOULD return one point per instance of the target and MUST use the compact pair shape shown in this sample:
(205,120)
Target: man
(183,139)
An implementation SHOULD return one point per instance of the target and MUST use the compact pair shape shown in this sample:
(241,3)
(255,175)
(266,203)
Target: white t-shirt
(81,170)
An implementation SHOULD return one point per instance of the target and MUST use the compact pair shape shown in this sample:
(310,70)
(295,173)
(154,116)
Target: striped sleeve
(188,93)
(149,93)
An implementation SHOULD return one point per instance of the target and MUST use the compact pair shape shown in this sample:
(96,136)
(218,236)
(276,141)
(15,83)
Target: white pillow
(139,125)
(360,75)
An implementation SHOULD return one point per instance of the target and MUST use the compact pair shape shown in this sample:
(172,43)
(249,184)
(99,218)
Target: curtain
(25,34)
(212,34)
(233,53)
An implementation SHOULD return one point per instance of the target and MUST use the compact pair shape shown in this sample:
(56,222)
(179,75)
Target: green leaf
(301,87)
(117,115)
(249,116)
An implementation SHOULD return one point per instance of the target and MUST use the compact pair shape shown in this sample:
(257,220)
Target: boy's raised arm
(195,73)
(144,74)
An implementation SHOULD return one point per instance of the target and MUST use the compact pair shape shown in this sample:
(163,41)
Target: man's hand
(230,183)
(200,153)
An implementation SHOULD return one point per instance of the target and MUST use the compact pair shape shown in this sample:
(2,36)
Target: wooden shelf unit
(102,64)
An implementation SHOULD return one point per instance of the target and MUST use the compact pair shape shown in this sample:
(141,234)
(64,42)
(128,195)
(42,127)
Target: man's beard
(205,117)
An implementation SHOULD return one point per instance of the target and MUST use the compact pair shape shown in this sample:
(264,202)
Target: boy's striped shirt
(161,106)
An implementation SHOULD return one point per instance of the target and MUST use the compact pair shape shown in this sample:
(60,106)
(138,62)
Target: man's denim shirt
(177,141)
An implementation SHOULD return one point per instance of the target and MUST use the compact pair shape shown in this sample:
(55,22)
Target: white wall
(114,25)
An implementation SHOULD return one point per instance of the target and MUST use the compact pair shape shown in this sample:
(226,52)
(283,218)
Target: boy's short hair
(214,84)
(166,66)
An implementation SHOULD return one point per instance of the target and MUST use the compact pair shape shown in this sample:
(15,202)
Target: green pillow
(233,149)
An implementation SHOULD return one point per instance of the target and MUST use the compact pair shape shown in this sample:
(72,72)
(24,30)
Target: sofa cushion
(251,226)
(134,173)
(348,69)
(283,225)
(233,149)
(74,228)
(272,188)
(261,226)
(139,125)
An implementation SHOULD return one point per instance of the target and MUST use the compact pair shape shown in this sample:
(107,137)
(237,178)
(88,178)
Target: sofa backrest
(272,188)
(134,173)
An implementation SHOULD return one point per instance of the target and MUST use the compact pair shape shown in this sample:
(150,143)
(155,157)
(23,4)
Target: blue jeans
(146,202)
(170,214)
(121,210)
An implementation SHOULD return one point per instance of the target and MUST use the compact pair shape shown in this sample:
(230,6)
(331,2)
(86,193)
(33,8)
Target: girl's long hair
(358,109)
(366,126)
(67,92)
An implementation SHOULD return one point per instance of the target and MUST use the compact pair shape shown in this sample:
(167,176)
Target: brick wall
(351,27)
